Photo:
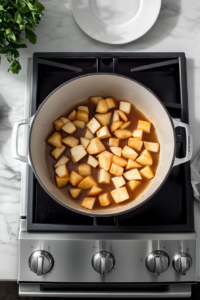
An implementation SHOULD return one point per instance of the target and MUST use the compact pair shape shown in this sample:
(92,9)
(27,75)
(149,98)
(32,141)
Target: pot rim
(90,213)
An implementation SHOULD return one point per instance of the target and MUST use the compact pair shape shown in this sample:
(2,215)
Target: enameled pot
(78,90)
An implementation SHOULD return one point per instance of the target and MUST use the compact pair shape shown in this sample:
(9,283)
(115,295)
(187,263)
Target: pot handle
(23,158)
(189,143)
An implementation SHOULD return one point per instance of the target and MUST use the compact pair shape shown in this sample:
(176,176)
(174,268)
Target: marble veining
(177,29)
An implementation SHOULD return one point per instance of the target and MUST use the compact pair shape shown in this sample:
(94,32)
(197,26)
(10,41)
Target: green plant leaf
(9,56)
(15,67)
(24,10)
(21,3)
(18,17)
(39,6)
(30,35)
(28,27)
(31,7)
(0,58)
(11,35)
(3,42)
(1,7)
(20,41)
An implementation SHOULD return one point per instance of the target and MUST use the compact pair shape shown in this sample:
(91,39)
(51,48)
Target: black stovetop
(171,209)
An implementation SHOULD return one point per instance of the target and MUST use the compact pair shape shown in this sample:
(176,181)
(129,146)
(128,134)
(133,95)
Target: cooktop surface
(171,209)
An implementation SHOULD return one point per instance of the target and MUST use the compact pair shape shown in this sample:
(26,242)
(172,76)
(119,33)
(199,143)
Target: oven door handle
(174,291)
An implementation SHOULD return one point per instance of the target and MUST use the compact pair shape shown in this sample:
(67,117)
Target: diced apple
(115,125)
(110,102)
(104,177)
(64,120)
(93,162)
(132,164)
(62,171)
(73,160)
(70,141)
(116,170)
(145,158)
(104,119)
(120,195)
(153,147)
(88,202)
(118,181)
(83,108)
(72,116)
(62,161)
(119,161)
(95,99)
(78,152)
(84,170)
(135,144)
(75,178)
(57,152)
(95,191)
(116,150)
(137,134)
(104,199)
(113,142)
(61,182)
(87,183)
(88,134)
(84,142)
(105,160)
(103,133)
(69,128)
(58,124)
(133,184)
(75,192)
(95,146)
(128,152)
(93,125)
(122,115)
(82,116)
(79,124)
(132,175)
(55,140)
(125,125)
(147,172)
(116,116)
(123,134)
(125,107)
(144,125)
(102,107)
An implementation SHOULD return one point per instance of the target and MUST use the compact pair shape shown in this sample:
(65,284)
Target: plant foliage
(17,17)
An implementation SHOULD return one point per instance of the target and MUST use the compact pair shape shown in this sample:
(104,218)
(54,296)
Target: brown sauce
(134,116)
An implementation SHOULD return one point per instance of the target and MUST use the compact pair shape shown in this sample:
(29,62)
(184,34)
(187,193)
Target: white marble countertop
(176,30)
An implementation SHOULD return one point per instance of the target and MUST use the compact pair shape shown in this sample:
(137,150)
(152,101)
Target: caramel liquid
(134,116)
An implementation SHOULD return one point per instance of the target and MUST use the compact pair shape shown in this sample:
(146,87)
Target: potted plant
(17,18)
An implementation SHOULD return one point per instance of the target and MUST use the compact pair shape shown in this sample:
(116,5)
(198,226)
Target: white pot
(79,89)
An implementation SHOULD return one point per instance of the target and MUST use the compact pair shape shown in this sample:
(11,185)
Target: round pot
(80,89)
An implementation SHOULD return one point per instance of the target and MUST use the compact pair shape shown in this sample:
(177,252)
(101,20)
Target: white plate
(115,21)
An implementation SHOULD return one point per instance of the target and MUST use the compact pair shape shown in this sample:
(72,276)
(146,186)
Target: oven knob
(182,263)
(157,262)
(41,262)
(103,262)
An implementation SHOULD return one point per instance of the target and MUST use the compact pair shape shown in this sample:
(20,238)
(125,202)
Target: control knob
(157,262)
(41,262)
(182,263)
(103,262)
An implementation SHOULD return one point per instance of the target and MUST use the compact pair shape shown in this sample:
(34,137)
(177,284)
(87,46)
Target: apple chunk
(79,124)
(110,102)
(75,178)
(144,125)
(82,116)
(87,183)
(153,147)
(125,107)
(72,116)
(88,134)
(132,175)
(135,144)
(147,172)
(84,142)
(105,160)
(122,115)
(93,162)
(95,146)
(83,108)
(104,177)
(95,99)
(75,193)
(88,202)
(103,133)
(116,116)
(104,119)
(145,158)
(128,152)
(116,170)
(137,134)
(58,124)
(118,181)
(95,191)
(55,140)
(62,171)
(125,125)
(123,134)
(93,125)
(104,199)
(102,107)
(133,184)
(61,182)
(115,125)
(119,161)
(120,195)
(132,164)
(113,142)
(70,141)
(57,152)
(69,128)
(78,152)
(62,161)
(64,120)
(84,170)
(116,150)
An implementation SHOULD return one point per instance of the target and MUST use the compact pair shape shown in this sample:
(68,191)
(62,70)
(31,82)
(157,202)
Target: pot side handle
(23,158)
(189,143)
